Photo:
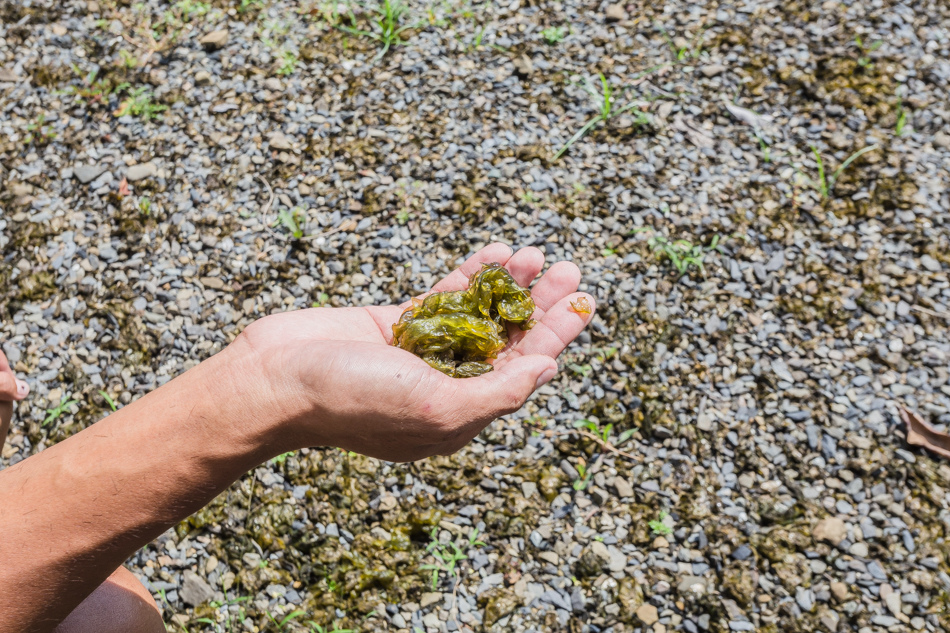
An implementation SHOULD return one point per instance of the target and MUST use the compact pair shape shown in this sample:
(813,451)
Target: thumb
(11,388)
(506,389)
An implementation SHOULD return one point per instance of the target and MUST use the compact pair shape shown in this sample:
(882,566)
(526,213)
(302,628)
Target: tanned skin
(73,513)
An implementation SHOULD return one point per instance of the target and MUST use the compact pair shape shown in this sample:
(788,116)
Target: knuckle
(512,400)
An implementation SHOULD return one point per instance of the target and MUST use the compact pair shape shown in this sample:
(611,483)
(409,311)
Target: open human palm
(348,386)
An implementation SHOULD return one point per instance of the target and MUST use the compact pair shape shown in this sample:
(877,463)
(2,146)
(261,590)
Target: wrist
(255,390)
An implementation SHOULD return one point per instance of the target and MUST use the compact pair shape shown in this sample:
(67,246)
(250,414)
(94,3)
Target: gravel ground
(743,466)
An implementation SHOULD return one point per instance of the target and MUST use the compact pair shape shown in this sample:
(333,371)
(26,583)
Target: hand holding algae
(457,331)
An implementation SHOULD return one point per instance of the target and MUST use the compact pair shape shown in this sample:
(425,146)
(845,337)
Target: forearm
(73,513)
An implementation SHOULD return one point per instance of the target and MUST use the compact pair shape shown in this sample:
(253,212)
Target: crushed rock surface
(743,468)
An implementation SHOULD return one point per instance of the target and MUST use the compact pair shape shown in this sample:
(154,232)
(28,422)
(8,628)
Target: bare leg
(119,605)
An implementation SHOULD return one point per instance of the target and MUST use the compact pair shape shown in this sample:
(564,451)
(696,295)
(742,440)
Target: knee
(119,605)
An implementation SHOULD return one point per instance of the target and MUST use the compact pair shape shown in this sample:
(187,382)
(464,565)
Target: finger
(525,265)
(559,281)
(484,398)
(11,388)
(458,278)
(557,328)
(4,364)
(385,316)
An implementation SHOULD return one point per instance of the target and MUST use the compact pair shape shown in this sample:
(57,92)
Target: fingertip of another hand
(22,389)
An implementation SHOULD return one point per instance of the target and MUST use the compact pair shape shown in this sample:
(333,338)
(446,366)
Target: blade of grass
(578,135)
(858,154)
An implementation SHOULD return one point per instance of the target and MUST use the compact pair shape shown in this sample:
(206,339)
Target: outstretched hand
(339,382)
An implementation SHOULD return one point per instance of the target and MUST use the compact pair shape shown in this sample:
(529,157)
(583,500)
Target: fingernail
(545,377)
(22,388)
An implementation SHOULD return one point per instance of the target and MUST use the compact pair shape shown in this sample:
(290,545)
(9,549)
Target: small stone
(215,39)
(202,78)
(831,530)
(829,619)
(430,598)
(859,549)
(839,590)
(648,614)
(58,30)
(615,13)
(278,141)
(930,263)
(7,76)
(712,70)
(623,487)
(194,590)
(893,602)
(692,585)
(215,283)
(141,171)
(660,542)
(87,173)
(942,139)
(523,65)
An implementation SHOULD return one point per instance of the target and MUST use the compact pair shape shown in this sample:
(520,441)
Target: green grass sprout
(605,98)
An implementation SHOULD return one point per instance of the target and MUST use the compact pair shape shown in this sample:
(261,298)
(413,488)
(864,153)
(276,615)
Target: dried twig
(610,447)
(933,313)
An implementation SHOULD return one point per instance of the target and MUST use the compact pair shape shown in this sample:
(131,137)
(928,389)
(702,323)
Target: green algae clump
(456,332)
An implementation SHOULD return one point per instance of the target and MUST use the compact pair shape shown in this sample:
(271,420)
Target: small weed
(92,90)
(605,432)
(188,9)
(690,51)
(864,52)
(322,299)
(825,184)
(477,40)
(402,216)
(901,117)
(554,34)
(280,459)
(766,150)
(39,132)
(109,400)
(53,414)
(234,621)
(292,221)
(448,556)
(387,25)
(145,205)
(127,59)
(659,526)
(249,5)
(138,102)
(288,62)
(605,98)
(581,370)
(584,478)
(316,628)
(683,254)
(530,197)
(287,619)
